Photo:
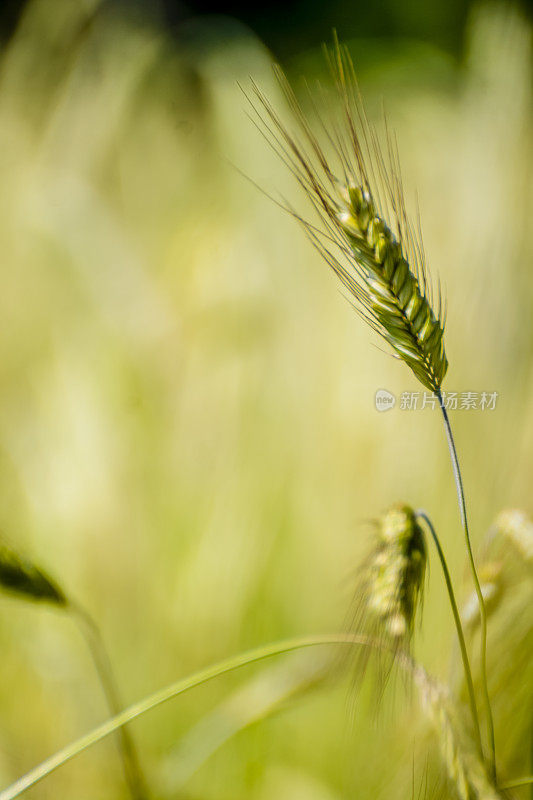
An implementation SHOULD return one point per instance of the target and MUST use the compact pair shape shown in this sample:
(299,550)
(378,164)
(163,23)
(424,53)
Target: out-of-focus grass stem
(117,722)
(91,633)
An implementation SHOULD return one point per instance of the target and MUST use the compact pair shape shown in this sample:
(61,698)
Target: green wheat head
(389,593)
(396,570)
(363,231)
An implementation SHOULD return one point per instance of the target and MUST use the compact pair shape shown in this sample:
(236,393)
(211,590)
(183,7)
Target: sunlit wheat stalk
(364,233)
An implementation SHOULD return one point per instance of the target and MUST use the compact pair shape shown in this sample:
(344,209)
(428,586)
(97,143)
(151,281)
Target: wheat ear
(380,262)
(393,295)
(393,576)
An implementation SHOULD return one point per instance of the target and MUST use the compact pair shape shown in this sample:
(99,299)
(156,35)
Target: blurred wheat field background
(188,436)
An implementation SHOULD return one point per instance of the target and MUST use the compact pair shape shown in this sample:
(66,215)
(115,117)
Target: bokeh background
(188,437)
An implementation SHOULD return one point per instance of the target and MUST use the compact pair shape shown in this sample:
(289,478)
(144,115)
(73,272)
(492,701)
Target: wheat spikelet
(381,263)
(20,576)
(465,769)
(394,298)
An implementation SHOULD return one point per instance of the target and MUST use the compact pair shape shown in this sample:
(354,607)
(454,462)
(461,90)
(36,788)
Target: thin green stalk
(91,633)
(477,585)
(515,784)
(460,633)
(137,709)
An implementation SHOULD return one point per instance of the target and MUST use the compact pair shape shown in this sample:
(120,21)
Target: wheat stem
(482,610)
(459,628)
(91,633)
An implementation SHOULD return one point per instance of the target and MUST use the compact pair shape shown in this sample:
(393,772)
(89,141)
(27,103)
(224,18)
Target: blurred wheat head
(21,577)
(391,579)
